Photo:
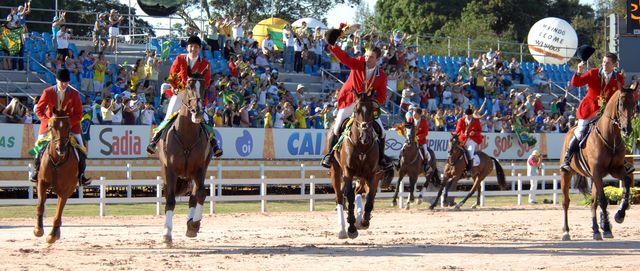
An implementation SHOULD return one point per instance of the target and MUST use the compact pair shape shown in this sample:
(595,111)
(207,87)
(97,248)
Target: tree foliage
(416,16)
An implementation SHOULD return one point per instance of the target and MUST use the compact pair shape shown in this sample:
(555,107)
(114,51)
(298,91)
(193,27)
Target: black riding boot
(469,164)
(571,149)
(425,162)
(151,148)
(328,158)
(36,165)
(82,165)
(385,162)
(217,151)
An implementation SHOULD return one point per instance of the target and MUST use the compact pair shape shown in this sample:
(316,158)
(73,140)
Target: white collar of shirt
(369,73)
(607,77)
(60,95)
(191,61)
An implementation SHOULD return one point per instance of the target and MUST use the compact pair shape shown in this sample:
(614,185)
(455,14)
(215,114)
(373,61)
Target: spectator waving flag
(11,40)
(523,136)
(232,97)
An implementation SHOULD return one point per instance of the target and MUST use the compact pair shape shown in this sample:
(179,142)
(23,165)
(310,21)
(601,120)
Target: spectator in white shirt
(147,114)
(116,108)
(62,39)
(267,46)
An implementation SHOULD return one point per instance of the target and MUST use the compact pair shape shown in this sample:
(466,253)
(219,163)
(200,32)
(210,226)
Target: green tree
(416,16)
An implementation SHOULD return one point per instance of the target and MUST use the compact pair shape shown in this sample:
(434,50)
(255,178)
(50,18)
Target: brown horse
(185,155)
(357,158)
(411,164)
(455,167)
(58,169)
(604,154)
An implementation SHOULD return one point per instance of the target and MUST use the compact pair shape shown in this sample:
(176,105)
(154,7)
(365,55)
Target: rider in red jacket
(68,99)
(365,75)
(469,132)
(601,84)
(422,126)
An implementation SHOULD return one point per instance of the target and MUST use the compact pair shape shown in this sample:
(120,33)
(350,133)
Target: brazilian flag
(166,49)
(523,136)
(232,97)
(11,40)
(276,37)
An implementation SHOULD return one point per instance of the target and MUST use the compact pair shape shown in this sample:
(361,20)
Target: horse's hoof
(607,234)
(394,204)
(52,238)
(38,232)
(342,234)
(457,208)
(352,233)
(419,201)
(192,228)
(408,207)
(474,206)
(597,236)
(619,217)
(566,237)
(167,239)
(364,225)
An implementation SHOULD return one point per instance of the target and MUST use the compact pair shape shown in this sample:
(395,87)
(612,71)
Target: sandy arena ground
(486,239)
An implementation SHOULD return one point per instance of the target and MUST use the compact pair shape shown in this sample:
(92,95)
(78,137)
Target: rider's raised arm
(579,80)
(348,61)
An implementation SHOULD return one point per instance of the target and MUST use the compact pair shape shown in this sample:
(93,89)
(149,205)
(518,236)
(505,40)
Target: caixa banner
(119,141)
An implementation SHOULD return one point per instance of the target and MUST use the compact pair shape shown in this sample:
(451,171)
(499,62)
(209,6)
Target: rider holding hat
(365,76)
(60,96)
(469,132)
(184,66)
(601,84)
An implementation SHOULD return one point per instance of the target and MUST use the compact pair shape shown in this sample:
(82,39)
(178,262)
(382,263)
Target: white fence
(217,183)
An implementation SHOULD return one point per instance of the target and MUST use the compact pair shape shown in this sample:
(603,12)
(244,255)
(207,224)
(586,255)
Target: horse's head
(60,128)
(454,148)
(626,105)
(194,90)
(363,117)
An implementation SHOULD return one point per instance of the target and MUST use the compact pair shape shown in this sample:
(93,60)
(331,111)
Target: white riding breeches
(174,105)
(426,152)
(343,114)
(77,136)
(471,147)
(581,128)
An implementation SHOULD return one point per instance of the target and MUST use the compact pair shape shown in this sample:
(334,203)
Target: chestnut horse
(604,154)
(455,167)
(59,170)
(185,155)
(357,158)
(411,164)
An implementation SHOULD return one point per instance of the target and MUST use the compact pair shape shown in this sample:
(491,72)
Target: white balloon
(552,41)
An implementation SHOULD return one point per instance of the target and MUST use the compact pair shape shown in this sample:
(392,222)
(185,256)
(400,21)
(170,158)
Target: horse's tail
(582,184)
(502,181)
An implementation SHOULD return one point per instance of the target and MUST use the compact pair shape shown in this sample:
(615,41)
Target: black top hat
(194,40)
(468,111)
(584,52)
(63,75)
(332,35)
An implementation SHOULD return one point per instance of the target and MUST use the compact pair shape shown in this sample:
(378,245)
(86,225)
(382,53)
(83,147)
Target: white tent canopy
(311,23)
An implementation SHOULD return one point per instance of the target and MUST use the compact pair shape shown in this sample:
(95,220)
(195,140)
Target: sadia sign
(118,141)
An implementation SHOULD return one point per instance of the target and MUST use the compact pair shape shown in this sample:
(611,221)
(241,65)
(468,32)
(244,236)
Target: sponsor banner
(498,145)
(555,142)
(119,141)
(11,140)
(298,143)
(241,143)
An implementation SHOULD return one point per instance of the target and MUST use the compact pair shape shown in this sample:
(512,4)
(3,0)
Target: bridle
(187,102)
(615,120)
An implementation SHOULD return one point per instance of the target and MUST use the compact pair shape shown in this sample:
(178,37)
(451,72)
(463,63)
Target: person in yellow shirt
(439,120)
(217,117)
(301,116)
(268,118)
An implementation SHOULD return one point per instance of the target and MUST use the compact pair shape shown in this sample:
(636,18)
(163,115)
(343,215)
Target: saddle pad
(346,132)
(47,138)
(169,121)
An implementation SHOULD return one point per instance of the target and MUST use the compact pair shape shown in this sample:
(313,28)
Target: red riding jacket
(356,80)
(180,66)
(473,131)
(48,101)
(594,79)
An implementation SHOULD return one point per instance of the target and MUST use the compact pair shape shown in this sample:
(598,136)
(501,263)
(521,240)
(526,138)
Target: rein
(616,122)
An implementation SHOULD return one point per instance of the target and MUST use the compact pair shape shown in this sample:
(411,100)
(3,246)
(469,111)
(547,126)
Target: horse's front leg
(476,186)
(624,205)
(565,185)
(196,203)
(38,231)
(352,231)
(336,180)
(444,184)
(594,207)
(445,196)
(605,225)
(57,221)
(170,205)
(412,185)
(401,174)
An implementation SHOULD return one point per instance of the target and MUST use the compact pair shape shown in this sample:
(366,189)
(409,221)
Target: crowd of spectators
(251,94)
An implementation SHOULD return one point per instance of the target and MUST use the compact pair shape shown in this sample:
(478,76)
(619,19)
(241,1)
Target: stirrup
(84,181)
(327,159)
(151,148)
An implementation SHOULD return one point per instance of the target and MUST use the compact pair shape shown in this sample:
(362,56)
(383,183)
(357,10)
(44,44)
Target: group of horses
(355,173)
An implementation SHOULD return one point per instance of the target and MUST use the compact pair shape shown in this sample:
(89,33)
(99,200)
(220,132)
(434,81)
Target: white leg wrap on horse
(198,215)
(168,223)
(340,211)
(359,203)
(174,105)
(192,211)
